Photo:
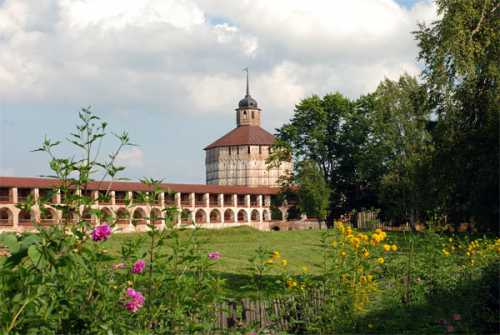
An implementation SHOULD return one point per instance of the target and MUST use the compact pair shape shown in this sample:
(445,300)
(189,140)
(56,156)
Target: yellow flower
(348,231)
(370,278)
(276,254)
(343,254)
(380,260)
(355,242)
(366,253)
(334,244)
(340,226)
(284,262)
(362,279)
(387,247)
(269,261)
(394,247)
(291,283)
(363,237)
(446,253)
(305,269)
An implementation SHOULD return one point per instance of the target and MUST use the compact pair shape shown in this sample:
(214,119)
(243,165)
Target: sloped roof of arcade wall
(28,182)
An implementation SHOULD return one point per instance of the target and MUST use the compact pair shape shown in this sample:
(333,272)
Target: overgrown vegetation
(416,150)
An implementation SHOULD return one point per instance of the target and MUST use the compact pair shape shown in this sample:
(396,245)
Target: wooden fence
(279,314)
(368,220)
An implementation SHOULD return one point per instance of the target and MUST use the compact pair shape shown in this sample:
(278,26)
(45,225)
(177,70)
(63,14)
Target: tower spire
(248,85)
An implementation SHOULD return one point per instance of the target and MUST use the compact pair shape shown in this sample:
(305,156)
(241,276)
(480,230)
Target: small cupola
(248,111)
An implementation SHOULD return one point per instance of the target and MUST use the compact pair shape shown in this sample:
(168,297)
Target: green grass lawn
(237,245)
(300,247)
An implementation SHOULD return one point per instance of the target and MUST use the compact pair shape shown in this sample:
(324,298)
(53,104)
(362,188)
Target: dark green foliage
(461,74)
(313,193)
(415,150)
(327,132)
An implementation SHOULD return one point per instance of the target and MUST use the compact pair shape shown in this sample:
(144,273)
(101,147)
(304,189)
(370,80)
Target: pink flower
(138,266)
(136,301)
(119,266)
(442,322)
(450,328)
(101,232)
(456,317)
(214,255)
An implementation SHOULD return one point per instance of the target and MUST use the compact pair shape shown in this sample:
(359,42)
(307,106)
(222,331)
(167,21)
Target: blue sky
(169,72)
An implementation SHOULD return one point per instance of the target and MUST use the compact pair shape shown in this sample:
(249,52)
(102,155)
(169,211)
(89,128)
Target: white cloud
(131,158)
(166,55)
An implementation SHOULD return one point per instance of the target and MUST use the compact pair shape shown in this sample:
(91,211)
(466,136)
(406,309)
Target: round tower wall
(242,165)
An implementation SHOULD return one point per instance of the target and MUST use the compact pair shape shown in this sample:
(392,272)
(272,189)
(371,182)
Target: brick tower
(239,157)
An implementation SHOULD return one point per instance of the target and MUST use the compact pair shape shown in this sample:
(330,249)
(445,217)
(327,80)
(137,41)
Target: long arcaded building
(238,190)
(210,206)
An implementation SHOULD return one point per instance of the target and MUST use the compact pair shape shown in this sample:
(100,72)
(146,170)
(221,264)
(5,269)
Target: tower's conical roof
(244,135)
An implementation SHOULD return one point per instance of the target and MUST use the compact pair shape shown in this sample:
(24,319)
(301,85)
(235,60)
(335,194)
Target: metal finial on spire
(248,101)
(248,86)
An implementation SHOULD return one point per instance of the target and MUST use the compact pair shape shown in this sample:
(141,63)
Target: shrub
(61,280)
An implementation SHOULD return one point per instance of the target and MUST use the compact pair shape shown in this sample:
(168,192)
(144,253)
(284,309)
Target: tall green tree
(401,142)
(460,53)
(329,132)
(313,194)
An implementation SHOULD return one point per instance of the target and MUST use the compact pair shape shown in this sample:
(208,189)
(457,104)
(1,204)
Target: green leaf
(10,241)
(35,255)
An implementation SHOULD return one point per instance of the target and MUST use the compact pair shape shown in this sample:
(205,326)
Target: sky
(169,72)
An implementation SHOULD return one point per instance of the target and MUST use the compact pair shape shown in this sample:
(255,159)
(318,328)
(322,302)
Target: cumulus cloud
(186,56)
(131,158)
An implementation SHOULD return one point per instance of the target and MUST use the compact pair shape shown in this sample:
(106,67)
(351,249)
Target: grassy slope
(237,245)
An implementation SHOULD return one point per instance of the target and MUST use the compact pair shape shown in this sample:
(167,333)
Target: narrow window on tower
(248,149)
(229,151)
(253,115)
(237,150)
(260,149)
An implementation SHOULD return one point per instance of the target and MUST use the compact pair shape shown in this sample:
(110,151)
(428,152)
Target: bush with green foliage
(61,280)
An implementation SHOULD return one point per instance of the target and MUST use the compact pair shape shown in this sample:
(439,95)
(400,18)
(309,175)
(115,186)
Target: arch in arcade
(48,216)
(6,217)
(186,216)
(122,216)
(25,217)
(107,216)
(266,215)
(229,216)
(87,215)
(215,216)
(200,216)
(255,216)
(139,216)
(242,215)
(156,217)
